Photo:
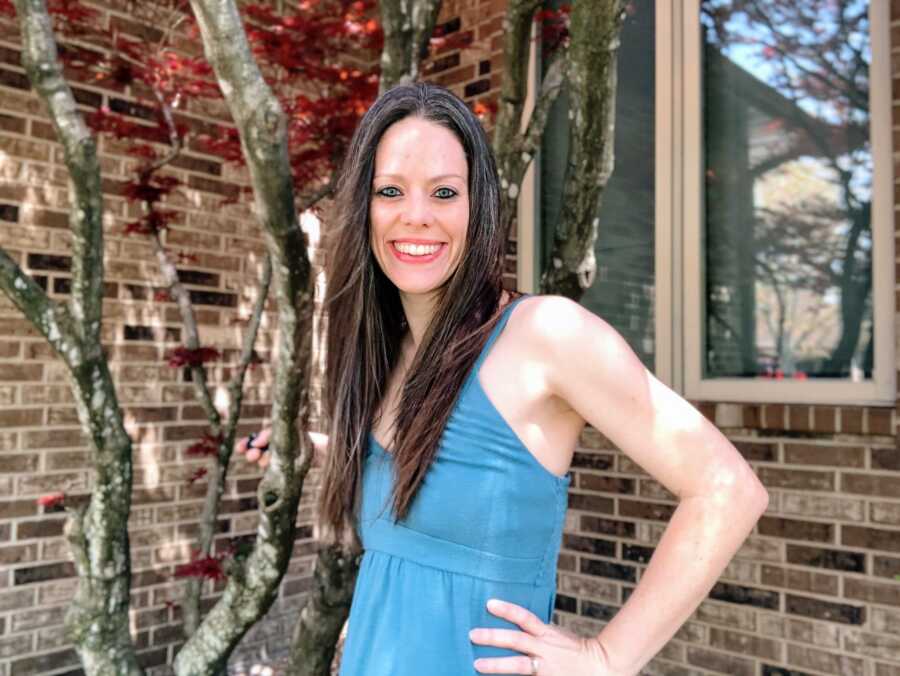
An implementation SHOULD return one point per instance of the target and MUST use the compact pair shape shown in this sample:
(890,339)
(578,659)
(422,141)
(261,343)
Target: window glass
(623,290)
(788,189)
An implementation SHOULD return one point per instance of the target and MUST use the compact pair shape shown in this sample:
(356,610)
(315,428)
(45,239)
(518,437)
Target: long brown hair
(366,323)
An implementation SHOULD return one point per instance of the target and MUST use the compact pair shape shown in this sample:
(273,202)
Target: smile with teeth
(416,249)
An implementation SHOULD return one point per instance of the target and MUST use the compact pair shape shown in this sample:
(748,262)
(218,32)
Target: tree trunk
(407,26)
(323,616)
(97,619)
(253,584)
(591,72)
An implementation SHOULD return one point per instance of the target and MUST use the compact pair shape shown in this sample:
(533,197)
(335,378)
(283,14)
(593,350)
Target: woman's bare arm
(591,367)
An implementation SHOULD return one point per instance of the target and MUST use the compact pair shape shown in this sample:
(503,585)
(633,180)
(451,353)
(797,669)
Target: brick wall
(41,445)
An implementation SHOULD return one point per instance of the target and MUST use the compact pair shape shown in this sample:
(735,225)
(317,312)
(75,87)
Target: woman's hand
(547,650)
(255,447)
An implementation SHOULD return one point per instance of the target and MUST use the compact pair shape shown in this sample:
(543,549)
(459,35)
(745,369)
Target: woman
(455,411)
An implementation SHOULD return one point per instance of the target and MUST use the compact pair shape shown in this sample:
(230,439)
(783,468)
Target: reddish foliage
(150,223)
(207,446)
(182,356)
(554,25)
(150,188)
(197,474)
(207,567)
(485,110)
(51,499)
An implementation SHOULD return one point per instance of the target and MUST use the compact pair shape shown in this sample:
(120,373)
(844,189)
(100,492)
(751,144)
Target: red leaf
(207,567)
(182,356)
(207,446)
(51,499)
(197,474)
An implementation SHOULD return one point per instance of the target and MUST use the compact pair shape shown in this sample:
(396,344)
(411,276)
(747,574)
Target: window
(787,215)
(746,236)
(623,289)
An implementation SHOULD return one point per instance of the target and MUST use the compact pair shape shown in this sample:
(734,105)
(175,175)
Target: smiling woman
(419,210)
(454,413)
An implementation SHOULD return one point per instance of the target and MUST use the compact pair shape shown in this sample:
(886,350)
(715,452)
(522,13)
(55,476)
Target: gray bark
(324,614)
(97,619)
(513,148)
(591,72)
(253,584)
(407,26)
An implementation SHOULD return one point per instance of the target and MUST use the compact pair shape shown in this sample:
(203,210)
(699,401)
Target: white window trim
(880,390)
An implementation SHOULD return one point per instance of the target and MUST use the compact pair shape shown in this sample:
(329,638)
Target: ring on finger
(535,665)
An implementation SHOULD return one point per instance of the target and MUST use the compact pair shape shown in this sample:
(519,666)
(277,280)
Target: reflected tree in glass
(788,188)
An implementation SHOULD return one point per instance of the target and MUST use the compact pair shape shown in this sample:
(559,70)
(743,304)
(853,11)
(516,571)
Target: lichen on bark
(97,619)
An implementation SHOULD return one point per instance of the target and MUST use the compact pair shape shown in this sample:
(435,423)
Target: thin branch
(39,58)
(48,316)
(551,86)
(191,332)
(236,387)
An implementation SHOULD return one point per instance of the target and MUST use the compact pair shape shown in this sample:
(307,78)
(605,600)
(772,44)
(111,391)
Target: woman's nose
(418,211)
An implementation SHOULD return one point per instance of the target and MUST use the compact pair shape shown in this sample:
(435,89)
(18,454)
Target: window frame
(678,229)
(879,390)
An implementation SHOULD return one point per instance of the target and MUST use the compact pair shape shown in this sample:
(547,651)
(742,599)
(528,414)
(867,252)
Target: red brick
(871,484)
(21,372)
(823,419)
(821,454)
(852,420)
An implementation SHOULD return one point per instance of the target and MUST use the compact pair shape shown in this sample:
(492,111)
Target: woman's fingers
(262,439)
(503,665)
(505,638)
(254,447)
(517,615)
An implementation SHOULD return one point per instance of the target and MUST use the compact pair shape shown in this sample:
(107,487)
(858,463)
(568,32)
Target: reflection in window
(788,259)
(623,290)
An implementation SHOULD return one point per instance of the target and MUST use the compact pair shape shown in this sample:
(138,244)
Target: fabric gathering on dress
(486,523)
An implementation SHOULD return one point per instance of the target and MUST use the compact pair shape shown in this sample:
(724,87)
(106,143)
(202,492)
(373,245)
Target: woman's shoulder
(541,319)
(550,329)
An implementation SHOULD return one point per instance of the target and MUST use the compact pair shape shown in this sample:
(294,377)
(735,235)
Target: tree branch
(551,86)
(39,58)
(407,26)
(261,122)
(513,149)
(97,618)
(595,29)
(48,316)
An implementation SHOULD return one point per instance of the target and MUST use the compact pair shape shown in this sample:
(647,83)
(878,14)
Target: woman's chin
(418,287)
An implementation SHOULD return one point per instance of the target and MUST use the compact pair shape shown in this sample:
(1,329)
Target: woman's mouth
(415,252)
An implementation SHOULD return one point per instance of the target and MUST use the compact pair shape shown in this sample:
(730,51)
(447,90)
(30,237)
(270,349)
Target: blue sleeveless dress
(486,523)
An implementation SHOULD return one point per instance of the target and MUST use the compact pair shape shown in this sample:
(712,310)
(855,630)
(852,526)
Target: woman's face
(419,211)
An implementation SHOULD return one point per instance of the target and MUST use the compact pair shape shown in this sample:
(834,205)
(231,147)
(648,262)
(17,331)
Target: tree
(321,118)
(586,39)
(291,146)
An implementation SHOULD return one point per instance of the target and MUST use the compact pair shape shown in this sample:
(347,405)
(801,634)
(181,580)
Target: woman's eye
(389,191)
(445,193)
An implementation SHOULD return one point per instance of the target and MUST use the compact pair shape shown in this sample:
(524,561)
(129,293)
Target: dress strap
(498,327)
